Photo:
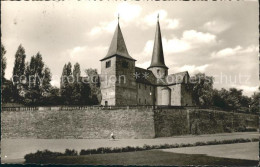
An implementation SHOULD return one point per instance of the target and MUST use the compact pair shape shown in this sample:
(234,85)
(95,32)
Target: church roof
(117,46)
(178,78)
(173,79)
(147,77)
(158,56)
(144,76)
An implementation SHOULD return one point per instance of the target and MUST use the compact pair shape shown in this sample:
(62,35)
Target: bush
(71,152)
(41,156)
(139,148)
(255,139)
(147,147)
(251,129)
(116,150)
(84,152)
(156,146)
(47,156)
(199,143)
(211,142)
(228,129)
(240,129)
(108,150)
(175,145)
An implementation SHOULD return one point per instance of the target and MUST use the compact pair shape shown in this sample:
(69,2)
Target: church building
(123,84)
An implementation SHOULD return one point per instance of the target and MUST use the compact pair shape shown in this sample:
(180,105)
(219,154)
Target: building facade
(122,83)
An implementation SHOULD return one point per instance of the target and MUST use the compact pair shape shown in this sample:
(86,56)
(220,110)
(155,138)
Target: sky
(216,38)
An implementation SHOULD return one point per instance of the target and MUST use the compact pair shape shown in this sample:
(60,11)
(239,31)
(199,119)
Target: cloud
(190,39)
(127,13)
(217,26)
(144,65)
(86,53)
(247,90)
(103,27)
(194,36)
(175,45)
(168,23)
(234,51)
(192,68)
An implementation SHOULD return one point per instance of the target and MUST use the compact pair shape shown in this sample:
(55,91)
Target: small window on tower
(108,64)
(125,64)
(158,72)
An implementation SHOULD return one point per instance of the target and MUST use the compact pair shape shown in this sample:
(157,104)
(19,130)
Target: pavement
(246,151)
(13,150)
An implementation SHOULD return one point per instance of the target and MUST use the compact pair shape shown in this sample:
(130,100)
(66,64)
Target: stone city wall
(139,122)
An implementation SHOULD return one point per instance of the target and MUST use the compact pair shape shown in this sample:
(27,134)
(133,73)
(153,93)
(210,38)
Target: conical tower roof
(118,46)
(158,56)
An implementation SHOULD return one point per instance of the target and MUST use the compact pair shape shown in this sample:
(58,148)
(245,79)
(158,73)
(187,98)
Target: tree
(3,62)
(18,72)
(46,83)
(232,99)
(202,89)
(63,82)
(19,63)
(76,85)
(94,84)
(66,83)
(254,104)
(6,86)
(38,80)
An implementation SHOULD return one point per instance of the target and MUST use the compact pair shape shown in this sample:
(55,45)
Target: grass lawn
(152,157)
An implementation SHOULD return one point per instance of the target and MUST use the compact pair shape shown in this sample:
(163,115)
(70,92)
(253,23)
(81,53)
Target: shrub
(71,152)
(116,150)
(211,142)
(228,129)
(164,146)
(240,129)
(107,150)
(199,143)
(156,146)
(147,147)
(47,156)
(255,139)
(100,150)
(175,146)
(187,145)
(139,148)
(41,156)
(251,129)
(84,152)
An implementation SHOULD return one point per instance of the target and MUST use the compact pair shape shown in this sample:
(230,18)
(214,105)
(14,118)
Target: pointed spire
(158,56)
(118,46)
